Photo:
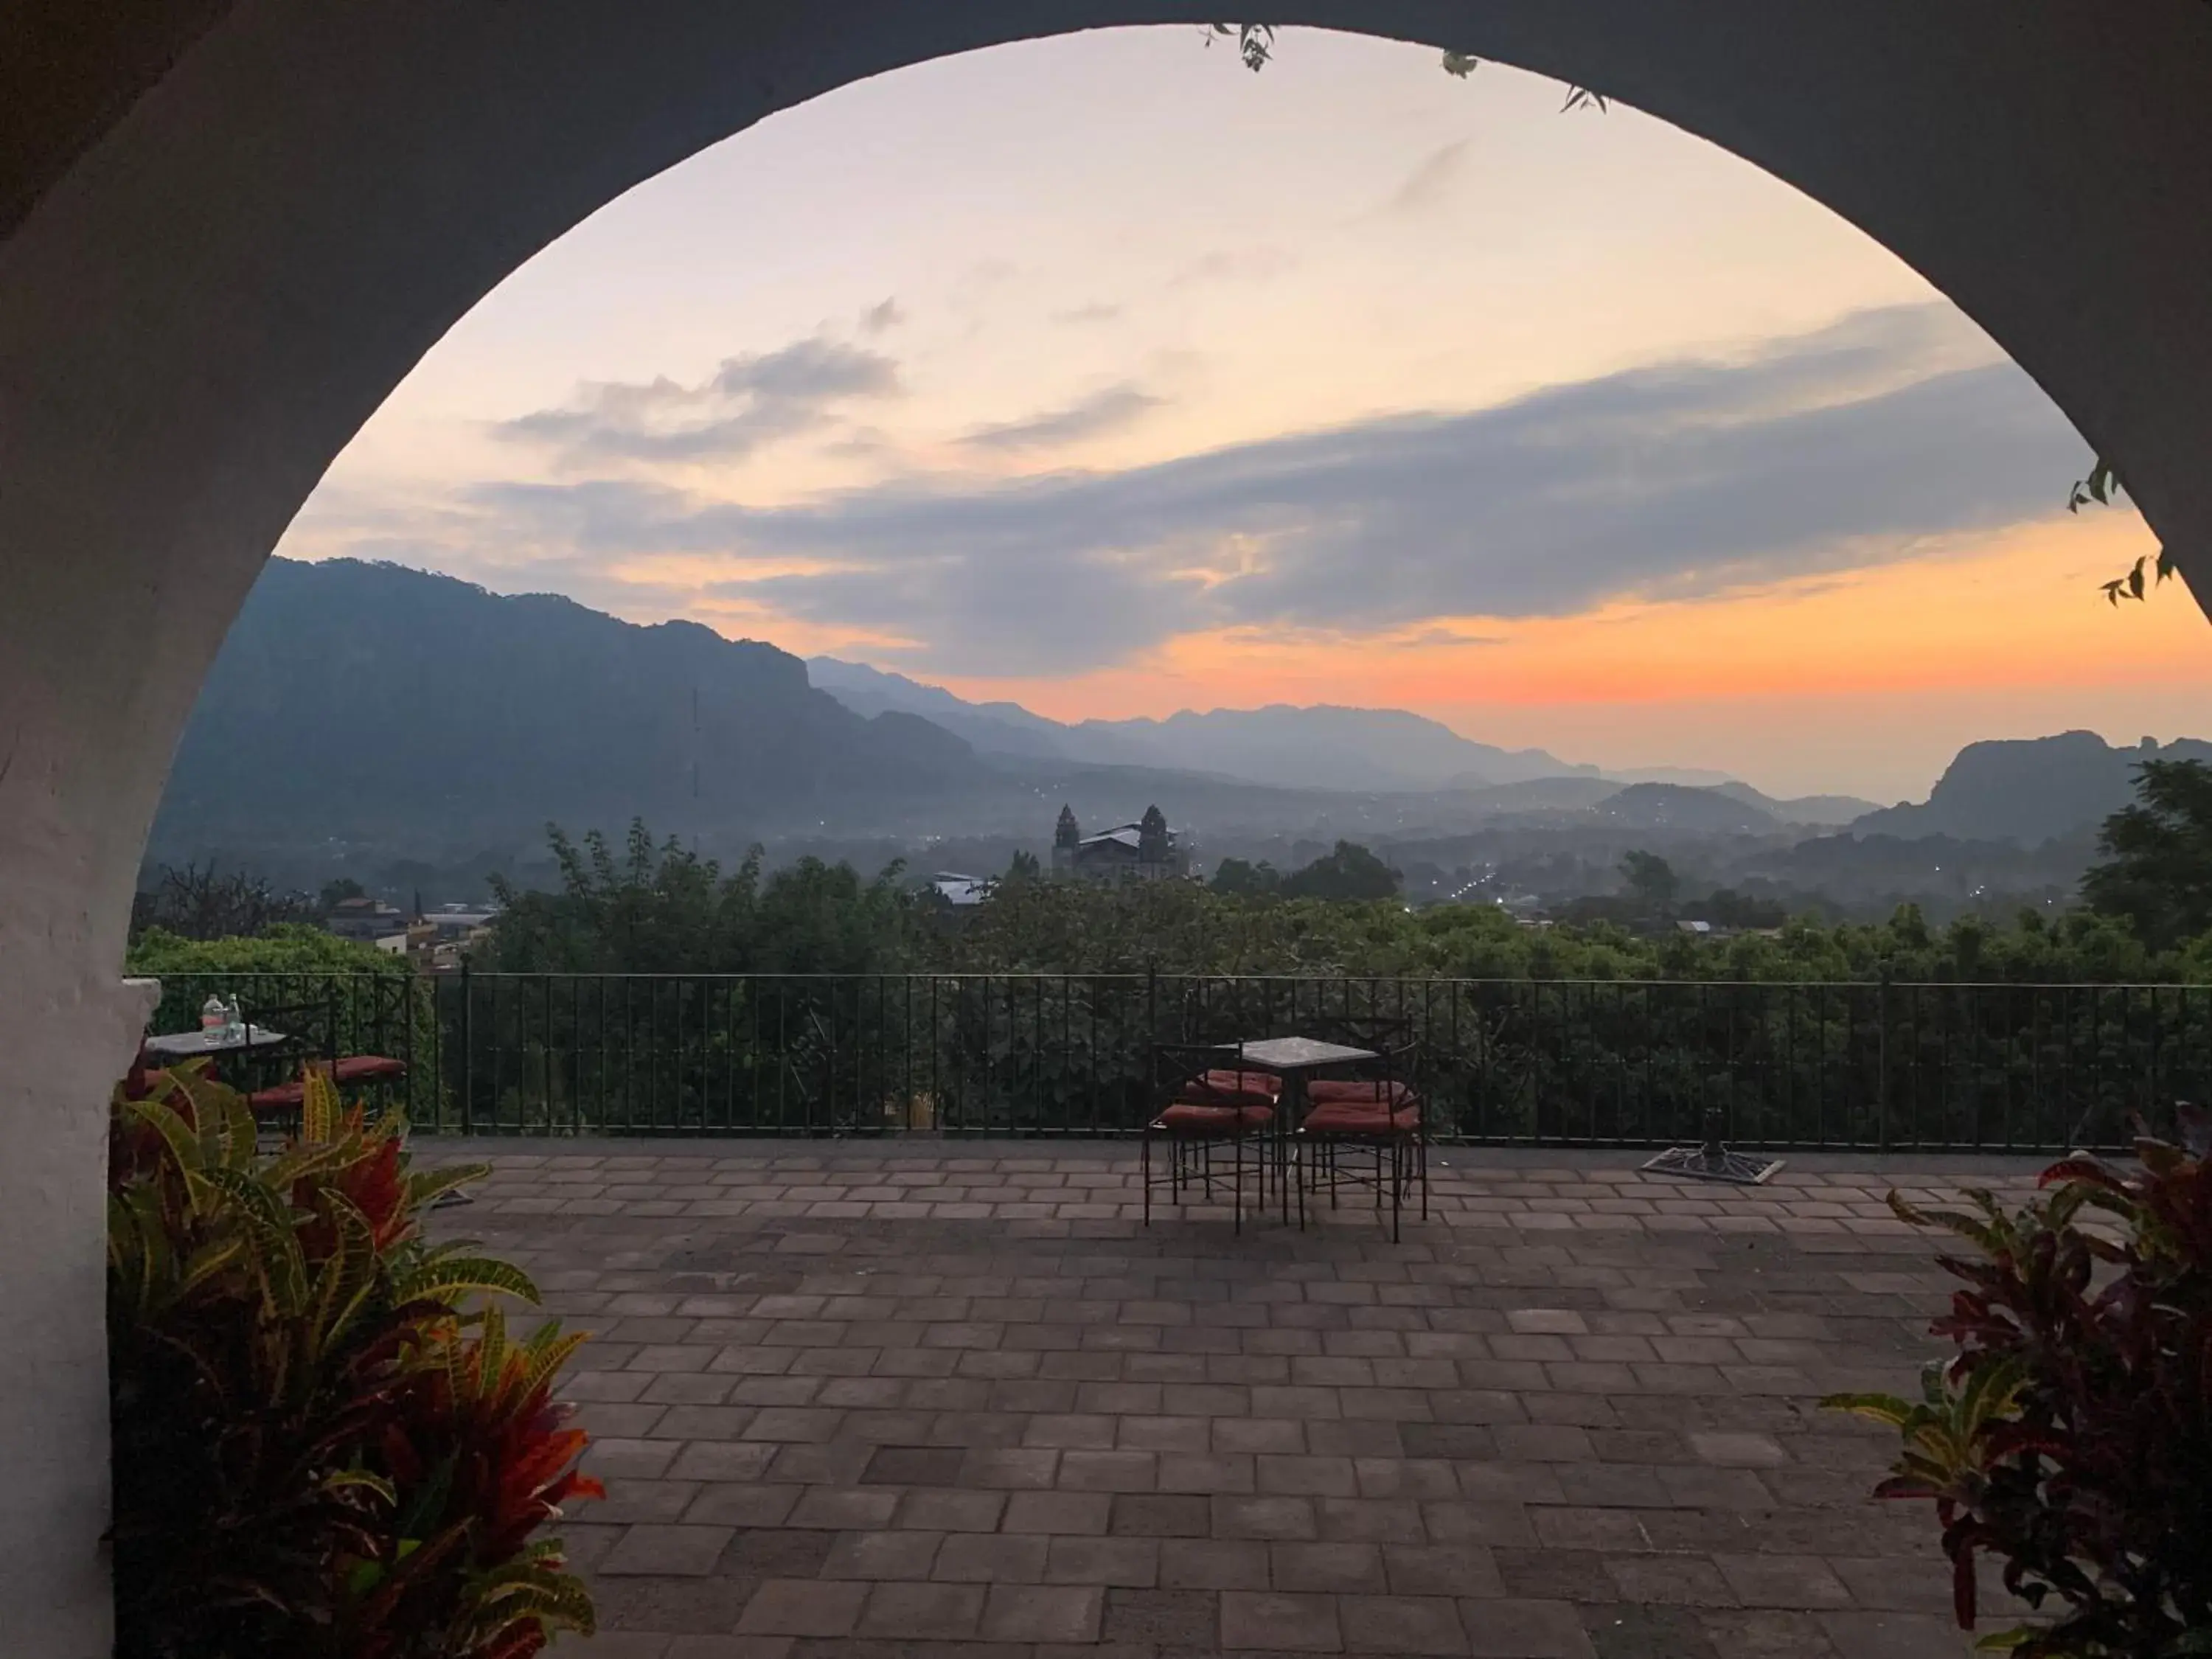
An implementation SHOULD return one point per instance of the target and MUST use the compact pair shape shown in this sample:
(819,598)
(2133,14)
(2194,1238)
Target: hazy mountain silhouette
(999,728)
(1821,810)
(355,700)
(1687,811)
(1320,748)
(2029,790)
(360,705)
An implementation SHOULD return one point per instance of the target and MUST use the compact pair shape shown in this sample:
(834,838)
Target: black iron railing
(1990,1066)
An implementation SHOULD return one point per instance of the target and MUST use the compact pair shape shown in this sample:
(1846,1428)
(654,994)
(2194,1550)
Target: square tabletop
(221,1040)
(1297,1053)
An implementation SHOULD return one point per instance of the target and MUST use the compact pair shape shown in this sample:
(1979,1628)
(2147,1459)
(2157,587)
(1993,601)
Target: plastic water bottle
(233,1024)
(213,1015)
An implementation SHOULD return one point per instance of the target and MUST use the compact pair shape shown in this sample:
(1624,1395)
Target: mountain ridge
(1166,742)
(516,711)
(2027,790)
(371,705)
(1323,746)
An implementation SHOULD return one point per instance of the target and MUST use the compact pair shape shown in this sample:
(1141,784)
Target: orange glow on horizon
(2018,610)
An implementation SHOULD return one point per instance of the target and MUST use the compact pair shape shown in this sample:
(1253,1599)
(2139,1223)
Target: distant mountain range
(1319,748)
(356,700)
(2028,791)
(364,711)
(1715,811)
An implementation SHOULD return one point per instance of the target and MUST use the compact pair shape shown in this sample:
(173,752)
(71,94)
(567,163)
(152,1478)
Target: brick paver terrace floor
(922,1398)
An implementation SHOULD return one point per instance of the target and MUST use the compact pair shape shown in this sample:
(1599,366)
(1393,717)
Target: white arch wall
(199,315)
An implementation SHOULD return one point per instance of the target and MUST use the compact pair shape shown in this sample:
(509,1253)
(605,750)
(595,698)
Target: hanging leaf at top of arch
(1255,49)
(1256,42)
(2103,488)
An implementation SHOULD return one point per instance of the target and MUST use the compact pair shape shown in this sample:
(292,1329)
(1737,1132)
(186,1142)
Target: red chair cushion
(1363,1091)
(1372,1121)
(1230,1087)
(1194,1117)
(275,1099)
(369,1069)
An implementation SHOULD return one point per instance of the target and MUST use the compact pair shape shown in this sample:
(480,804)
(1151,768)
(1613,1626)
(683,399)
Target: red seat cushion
(1194,1117)
(1230,1087)
(283,1095)
(1372,1121)
(369,1068)
(1363,1091)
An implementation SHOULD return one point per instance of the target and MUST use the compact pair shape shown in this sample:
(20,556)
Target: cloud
(809,371)
(1254,264)
(1442,639)
(877,319)
(1096,311)
(1105,411)
(1430,181)
(749,403)
(1855,444)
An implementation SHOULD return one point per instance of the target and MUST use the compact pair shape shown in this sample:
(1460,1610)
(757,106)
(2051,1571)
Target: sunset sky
(1104,376)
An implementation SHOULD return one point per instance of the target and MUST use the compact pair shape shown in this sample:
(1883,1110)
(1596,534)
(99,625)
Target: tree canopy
(1349,872)
(658,908)
(1241,878)
(207,904)
(2157,870)
(1650,878)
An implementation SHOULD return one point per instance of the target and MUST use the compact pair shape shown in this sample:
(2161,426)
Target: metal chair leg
(1397,1187)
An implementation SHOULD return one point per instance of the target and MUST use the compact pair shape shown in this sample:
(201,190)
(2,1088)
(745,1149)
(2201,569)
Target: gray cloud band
(1849,446)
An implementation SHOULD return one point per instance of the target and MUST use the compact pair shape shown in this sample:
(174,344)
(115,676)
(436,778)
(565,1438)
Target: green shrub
(319,1451)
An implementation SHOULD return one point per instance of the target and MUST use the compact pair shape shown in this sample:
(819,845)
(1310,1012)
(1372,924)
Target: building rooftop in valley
(960,891)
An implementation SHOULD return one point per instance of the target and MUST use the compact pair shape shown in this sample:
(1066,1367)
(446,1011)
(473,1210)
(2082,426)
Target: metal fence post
(468,1055)
(1881,1062)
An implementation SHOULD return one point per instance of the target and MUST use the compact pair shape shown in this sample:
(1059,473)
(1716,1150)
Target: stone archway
(225,236)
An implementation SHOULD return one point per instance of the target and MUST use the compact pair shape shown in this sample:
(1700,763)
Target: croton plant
(2070,1437)
(326,1444)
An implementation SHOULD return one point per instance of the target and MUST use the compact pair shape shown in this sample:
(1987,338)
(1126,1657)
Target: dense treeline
(659,908)
(615,1003)
(1182,928)
(648,907)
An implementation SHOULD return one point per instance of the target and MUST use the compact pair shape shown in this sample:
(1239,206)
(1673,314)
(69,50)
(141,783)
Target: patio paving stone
(895,1400)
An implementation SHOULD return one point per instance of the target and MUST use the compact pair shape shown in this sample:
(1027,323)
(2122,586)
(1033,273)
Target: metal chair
(1210,1104)
(307,1034)
(1382,1118)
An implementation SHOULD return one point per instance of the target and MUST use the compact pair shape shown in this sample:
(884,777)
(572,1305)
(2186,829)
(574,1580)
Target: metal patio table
(222,1040)
(1294,1059)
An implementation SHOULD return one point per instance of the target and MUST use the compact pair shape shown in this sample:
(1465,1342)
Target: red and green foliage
(321,1450)
(2070,1438)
